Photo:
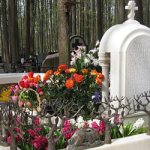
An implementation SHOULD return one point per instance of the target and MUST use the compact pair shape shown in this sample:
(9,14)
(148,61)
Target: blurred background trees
(30,27)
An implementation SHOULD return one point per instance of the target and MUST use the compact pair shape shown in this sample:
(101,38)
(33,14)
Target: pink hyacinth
(36,121)
(67,130)
(38,129)
(99,128)
(9,139)
(32,132)
(95,126)
(39,142)
(117,119)
(102,127)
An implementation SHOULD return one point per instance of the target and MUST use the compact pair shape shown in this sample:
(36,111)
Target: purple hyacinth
(96,97)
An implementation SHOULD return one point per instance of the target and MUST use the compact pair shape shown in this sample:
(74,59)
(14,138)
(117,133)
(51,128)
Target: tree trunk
(51,144)
(147,13)
(139,13)
(108,133)
(42,26)
(13,145)
(5,33)
(27,27)
(148,130)
(50,135)
(121,14)
(74,20)
(63,38)
(99,19)
(13,31)
(32,24)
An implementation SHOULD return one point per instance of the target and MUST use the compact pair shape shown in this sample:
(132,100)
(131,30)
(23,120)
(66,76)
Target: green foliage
(115,132)
(24,146)
(129,130)
(61,143)
(126,130)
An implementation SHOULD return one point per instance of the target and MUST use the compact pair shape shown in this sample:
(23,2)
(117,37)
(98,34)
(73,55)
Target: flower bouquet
(72,87)
(28,92)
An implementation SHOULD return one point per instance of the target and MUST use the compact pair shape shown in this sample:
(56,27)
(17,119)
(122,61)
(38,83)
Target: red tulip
(30,74)
(26,84)
(21,84)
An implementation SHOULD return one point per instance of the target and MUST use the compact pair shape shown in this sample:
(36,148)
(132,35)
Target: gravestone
(76,41)
(50,62)
(125,48)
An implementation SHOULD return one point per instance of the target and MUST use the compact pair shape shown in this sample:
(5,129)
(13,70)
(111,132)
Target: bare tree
(117,109)
(9,114)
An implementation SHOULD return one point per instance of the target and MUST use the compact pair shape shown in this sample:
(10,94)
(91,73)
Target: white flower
(73,61)
(80,125)
(72,121)
(92,51)
(97,121)
(80,119)
(139,123)
(86,60)
(78,53)
(95,62)
(82,48)
(80,122)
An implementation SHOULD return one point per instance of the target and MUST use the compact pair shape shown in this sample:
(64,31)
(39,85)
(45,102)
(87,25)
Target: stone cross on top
(132,7)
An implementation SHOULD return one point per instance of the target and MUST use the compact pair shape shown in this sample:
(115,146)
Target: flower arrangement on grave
(28,92)
(80,58)
(28,136)
(33,136)
(72,87)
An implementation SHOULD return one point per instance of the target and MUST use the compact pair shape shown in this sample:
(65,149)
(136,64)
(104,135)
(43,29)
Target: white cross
(132,7)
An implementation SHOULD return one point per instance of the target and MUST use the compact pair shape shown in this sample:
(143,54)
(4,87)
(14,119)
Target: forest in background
(30,27)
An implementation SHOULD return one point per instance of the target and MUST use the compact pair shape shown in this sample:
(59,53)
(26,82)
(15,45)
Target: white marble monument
(124,53)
